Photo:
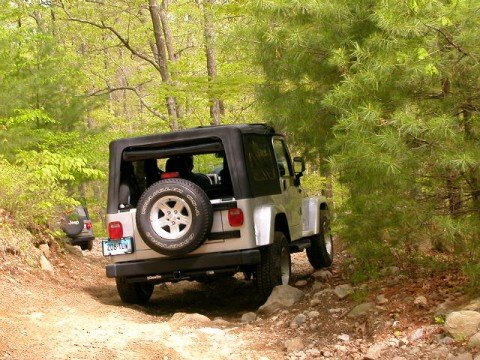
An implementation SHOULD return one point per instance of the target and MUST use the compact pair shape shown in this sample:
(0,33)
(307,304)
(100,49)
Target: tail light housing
(235,217)
(115,230)
(88,225)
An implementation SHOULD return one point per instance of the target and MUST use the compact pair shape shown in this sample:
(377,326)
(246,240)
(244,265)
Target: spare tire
(72,225)
(174,216)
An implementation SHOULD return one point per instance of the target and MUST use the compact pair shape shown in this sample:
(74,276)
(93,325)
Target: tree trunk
(454,195)
(161,58)
(169,45)
(474,176)
(209,37)
(166,30)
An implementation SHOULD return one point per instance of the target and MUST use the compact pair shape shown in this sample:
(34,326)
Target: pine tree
(390,91)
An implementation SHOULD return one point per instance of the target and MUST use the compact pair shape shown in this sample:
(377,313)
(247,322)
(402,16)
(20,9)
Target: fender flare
(312,209)
(264,223)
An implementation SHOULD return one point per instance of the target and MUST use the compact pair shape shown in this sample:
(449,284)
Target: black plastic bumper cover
(198,262)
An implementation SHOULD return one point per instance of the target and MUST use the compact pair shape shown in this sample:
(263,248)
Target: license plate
(117,247)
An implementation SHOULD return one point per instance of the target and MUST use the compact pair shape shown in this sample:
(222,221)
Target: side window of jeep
(281,154)
(260,162)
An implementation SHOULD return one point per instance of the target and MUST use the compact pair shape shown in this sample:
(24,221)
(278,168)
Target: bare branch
(450,41)
(179,52)
(109,90)
(123,40)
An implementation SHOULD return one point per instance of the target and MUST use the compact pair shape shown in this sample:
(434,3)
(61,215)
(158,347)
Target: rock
(292,345)
(298,320)
(313,314)
(323,275)
(326,354)
(335,311)
(462,324)
(249,317)
(188,320)
(46,265)
(473,305)
(341,348)
(301,283)
(439,353)
(474,341)
(381,299)
(344,337)
(45,249)
(313,352)
(221,322)
(322,293)
(315,302)
(361,310)
(417,334)
(463,356)
(282,296)
(374,351)
(391,270)
(318,286)
(445,308)
(447,340)
(421,301)
(342,291)
(73,250)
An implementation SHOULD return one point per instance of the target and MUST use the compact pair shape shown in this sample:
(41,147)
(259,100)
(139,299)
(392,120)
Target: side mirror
(298,166)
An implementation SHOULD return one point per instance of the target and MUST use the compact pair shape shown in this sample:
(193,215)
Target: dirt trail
(77,314)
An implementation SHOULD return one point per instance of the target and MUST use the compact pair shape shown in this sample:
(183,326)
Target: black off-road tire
(133,293)
(174,216)
(320,253)
(87,245)
(270,272)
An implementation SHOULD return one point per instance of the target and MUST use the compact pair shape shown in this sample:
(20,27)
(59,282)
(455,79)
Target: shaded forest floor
(76,314)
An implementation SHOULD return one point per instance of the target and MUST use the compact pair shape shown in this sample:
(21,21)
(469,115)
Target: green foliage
(313,184)
(31,202)
(388,95)
(42,108)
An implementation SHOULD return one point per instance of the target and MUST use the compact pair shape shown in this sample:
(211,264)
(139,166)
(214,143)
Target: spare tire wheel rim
(171,217)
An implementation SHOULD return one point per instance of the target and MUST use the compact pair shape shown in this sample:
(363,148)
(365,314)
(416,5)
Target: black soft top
(228,137)
(224,132)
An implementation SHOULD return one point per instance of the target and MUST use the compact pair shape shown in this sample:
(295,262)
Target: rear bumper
(210,261)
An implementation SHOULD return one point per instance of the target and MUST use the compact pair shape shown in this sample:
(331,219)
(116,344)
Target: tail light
(235,217)
(115,230)
(88,225)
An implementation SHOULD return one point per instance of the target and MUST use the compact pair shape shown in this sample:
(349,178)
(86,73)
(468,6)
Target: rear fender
(312,208)
(264,218)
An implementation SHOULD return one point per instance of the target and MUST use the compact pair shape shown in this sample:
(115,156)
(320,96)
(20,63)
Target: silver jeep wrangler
(209,201)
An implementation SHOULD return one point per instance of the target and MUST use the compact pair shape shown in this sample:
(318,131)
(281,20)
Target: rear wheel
(133,293)
(320,253)
(275,266)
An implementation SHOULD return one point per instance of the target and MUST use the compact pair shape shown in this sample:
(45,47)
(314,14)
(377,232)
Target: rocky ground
(69,310)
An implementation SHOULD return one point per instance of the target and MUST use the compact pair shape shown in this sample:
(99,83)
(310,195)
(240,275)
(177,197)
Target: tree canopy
(381,98)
